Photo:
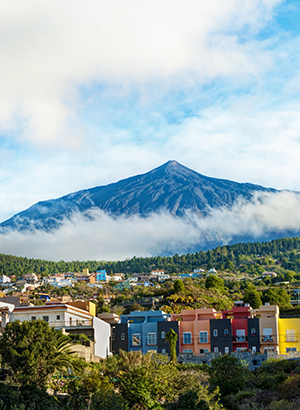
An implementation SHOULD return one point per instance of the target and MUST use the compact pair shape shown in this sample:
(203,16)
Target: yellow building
(289,335)
(85,305)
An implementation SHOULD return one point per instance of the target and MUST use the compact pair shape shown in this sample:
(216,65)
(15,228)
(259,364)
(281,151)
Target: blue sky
(96,91)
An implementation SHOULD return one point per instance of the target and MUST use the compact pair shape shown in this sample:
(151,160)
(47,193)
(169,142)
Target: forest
(286,250)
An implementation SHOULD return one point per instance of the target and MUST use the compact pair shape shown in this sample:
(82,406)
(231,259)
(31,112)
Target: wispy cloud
(108,238)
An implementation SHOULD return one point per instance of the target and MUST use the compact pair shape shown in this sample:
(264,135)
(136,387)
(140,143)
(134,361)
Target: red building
(244,328)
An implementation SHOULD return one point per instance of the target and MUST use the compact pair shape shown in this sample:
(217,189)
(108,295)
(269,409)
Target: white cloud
(243,141)
(107,238)
(50,48)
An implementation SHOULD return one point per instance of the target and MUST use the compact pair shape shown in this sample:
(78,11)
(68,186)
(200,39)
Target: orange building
(194,330)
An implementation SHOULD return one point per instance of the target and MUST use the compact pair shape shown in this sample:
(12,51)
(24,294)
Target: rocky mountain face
(171,187)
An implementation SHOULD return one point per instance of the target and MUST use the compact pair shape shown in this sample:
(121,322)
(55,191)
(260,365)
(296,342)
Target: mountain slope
(171,187)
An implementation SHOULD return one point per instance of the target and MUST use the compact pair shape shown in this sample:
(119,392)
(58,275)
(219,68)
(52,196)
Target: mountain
(171,187)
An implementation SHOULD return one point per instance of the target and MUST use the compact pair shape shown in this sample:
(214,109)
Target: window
(215,332)
(187,338)
(122,336)
(163,350)
(216,349)
(58,317)
(267,335)
(202,337)
(225,332)
(253,331)
(226,350)
(202,351)
(136,339)
(240,335)
(291,349)
(151,338)
(46,318)
(163,334)
(253,349)
(33,317)
(290,335)
(187,351)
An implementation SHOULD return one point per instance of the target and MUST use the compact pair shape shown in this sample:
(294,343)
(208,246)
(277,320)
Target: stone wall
(85,352)
(251,360)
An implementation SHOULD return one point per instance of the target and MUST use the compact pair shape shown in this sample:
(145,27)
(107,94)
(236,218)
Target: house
(199,270)
(114,278)
(85,305)
(122,275)
(125,284)
(70,319)
(110,318)
(211,271)
(194,330)
(268,327)
(4,279)
(30,278)
(18,299)
(85,277)
(101,275)
(157,272)
(289,330)
(190,275)
(244,328)
(44,297)
(163,277)
(58,281)
(271,274)
(142,331)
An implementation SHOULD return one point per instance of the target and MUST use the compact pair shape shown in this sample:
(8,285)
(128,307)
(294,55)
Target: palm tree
(63,355)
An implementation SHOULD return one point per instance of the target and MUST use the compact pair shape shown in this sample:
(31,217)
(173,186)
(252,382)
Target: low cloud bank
(108,238)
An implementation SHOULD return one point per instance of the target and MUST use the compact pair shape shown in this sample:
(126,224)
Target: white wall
(102,337)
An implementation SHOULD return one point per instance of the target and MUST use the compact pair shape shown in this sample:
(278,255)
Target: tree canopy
(34,351)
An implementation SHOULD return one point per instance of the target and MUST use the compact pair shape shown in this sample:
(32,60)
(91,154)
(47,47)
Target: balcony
(239,339)
(71,323)
(268,338)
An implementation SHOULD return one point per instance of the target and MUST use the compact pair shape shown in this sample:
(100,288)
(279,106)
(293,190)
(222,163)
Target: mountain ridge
(171,187)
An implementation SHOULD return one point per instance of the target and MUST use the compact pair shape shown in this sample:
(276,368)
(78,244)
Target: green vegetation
(248,257)
(132,380)
(34,351)
(171,338)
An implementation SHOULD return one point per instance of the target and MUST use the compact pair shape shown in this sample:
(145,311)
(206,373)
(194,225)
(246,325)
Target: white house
(70,319)
(271,274)
(4,279)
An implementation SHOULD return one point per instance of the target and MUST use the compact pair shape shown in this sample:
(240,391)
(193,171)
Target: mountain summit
(171,187)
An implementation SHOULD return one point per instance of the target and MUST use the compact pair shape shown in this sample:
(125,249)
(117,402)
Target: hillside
(171,187)
(240,257)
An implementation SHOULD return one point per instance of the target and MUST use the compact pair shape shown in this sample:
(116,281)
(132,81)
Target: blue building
(144,331)
(190,275)
(100,275)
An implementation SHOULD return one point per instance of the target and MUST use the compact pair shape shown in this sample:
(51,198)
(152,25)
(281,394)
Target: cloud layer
(107,238)
(51,49)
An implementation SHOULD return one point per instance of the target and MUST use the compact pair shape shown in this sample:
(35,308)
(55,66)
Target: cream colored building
(268,327)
